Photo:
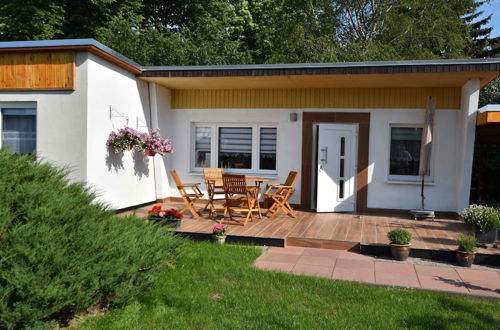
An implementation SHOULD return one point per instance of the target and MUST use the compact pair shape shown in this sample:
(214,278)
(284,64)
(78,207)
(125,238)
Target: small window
(202,147)
(19,130)
(235,147)
(405,150)
(267,148)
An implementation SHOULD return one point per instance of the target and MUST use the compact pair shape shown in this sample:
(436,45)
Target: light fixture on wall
(294,116)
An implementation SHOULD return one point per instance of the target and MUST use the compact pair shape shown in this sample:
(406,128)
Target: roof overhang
(435,73)
(88,45)
(488,115)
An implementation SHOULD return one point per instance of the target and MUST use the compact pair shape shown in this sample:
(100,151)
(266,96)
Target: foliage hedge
(61,253)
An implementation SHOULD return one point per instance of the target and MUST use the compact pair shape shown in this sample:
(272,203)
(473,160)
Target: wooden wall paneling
(37,71)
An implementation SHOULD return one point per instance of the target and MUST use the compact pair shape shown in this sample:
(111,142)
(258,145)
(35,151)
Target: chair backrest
(213,174)
(177,180)
(234,184)
(292,177)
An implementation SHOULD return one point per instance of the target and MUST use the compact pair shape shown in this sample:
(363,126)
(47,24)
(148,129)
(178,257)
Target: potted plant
(400,243)
(466,250)
(165,216)
(219,234)
(485,221)
(153,144)
(124,139)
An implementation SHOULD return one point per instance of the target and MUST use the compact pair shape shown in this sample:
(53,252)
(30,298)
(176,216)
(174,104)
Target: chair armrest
(283,187)
(189,184)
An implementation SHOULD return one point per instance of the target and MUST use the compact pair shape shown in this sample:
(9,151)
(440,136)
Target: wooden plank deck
(334,230)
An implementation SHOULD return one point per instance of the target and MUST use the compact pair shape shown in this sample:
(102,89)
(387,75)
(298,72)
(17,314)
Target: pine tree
(481,45)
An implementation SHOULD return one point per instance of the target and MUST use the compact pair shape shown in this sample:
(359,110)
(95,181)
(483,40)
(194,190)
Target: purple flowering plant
(155,143)
(219,230)
(124,139)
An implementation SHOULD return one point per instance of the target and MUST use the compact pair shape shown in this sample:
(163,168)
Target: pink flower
(162,214)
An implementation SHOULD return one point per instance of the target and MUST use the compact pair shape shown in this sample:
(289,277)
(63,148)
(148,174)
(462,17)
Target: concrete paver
(394,274)
(349,266)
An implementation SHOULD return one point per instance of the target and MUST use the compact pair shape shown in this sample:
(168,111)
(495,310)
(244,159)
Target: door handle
(325,155)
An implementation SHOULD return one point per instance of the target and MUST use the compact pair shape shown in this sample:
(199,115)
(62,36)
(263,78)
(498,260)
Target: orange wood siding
(488,117)
(37,71)
(395,98)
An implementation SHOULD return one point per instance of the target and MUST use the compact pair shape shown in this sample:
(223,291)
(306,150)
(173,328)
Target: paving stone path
(344,265)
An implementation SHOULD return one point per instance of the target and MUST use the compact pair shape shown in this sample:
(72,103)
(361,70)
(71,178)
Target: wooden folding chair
(213,182)
(188,198)
(278,195)
(239,198)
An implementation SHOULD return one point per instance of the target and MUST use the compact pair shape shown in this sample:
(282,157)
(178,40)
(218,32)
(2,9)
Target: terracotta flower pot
(149,153)
(219,239)
(400,252)
(465,259)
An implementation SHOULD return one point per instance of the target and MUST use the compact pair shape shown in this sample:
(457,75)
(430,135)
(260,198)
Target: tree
(481,45)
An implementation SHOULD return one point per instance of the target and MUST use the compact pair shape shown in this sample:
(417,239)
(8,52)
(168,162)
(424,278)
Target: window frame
(30,110)
(214,146)
(395,178)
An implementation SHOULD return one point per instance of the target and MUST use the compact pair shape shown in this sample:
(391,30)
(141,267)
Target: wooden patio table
(258,181)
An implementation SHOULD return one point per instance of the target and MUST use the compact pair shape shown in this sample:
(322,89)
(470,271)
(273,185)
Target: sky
(493,8)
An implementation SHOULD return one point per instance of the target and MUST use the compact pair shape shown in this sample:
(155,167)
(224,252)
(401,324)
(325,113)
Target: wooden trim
(363,121)
(488,117)
(88,48)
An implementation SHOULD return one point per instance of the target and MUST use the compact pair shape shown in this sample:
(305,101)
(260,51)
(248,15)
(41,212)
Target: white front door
(337,145)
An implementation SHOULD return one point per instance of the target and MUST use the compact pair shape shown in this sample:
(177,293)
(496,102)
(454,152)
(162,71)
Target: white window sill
(413,183)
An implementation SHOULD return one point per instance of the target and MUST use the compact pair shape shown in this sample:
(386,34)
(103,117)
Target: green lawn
(215,287)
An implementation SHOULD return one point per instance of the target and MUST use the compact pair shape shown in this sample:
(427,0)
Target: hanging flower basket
(128,138)
(153,144)
(149,153)
(124,139)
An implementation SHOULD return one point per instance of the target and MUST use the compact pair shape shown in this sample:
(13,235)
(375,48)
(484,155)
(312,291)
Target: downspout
(153,112)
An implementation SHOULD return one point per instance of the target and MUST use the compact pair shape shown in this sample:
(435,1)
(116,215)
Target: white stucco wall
(61,121)
(124,179)
(440,194)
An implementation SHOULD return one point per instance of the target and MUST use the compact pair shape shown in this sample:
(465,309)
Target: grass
(214,287)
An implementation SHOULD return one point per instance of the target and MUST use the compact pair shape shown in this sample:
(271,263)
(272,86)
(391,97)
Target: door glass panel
(341,189)
(342,146)
(341,168)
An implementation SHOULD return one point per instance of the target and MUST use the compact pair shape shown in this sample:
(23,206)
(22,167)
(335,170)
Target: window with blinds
(203,146)
(244,149)
(19,130)
(267,159)
(235,147)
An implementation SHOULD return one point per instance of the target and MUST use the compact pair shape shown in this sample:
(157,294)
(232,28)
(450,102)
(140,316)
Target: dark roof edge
(325,65)
(67,44)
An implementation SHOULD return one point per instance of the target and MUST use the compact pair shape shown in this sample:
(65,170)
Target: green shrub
(466,243)
(399,236)
(482,217)
(61,253)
